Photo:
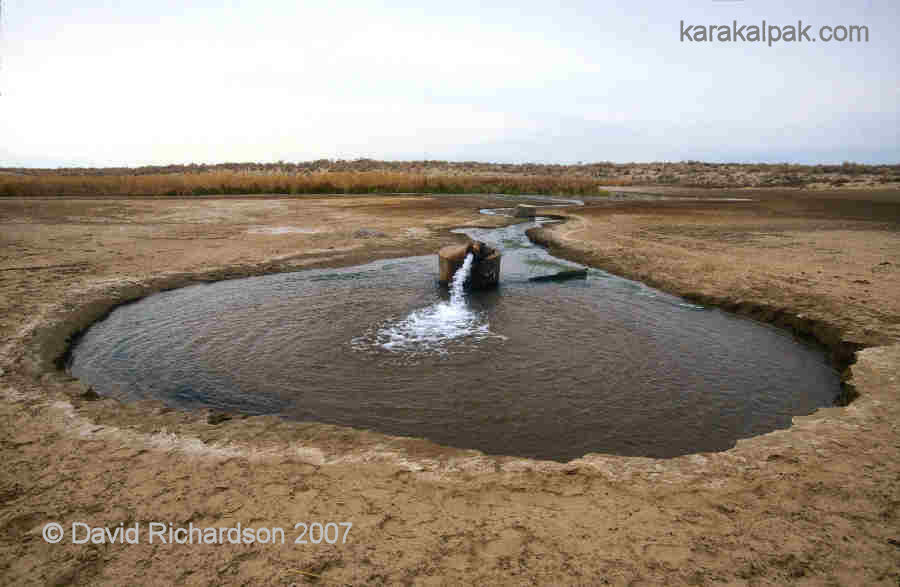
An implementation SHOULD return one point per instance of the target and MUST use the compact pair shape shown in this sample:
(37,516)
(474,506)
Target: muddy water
(549,370)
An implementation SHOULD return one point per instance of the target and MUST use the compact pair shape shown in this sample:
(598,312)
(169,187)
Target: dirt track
(817,503)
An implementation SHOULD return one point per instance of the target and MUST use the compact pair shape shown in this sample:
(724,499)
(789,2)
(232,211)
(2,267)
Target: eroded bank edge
(48,343)
(841,352)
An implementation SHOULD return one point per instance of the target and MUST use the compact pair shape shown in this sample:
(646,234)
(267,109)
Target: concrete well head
(485,265)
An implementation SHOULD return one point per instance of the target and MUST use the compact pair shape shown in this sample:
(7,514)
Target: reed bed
(232,182)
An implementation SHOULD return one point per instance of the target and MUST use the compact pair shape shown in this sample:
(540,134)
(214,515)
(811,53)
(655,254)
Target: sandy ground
(814,504)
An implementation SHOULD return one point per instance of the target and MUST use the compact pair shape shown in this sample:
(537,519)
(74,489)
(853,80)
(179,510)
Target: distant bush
(668,179)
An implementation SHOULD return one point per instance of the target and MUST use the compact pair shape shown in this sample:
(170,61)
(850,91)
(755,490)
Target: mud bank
(841,352)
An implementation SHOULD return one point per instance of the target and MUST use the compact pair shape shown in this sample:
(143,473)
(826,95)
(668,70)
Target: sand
(816,503)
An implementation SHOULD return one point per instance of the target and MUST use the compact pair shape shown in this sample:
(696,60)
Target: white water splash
(457,293)
(430,329)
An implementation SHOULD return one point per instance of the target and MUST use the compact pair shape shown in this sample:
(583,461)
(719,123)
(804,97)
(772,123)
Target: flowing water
(433,328)
(547,370)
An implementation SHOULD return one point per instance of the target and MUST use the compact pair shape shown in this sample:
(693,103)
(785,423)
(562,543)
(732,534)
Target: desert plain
(817,504)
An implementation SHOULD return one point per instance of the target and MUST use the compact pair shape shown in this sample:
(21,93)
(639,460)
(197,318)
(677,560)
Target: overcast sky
(128,83)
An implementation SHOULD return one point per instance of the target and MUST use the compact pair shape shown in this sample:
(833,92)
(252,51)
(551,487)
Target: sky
(109,83)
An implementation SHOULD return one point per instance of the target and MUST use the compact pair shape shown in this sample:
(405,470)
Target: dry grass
(362,176)
(238,182)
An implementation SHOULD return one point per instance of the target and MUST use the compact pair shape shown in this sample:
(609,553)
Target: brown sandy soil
(814,504)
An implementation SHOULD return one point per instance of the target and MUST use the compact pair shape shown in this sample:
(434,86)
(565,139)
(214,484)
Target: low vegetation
(321,182)
(367,176)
